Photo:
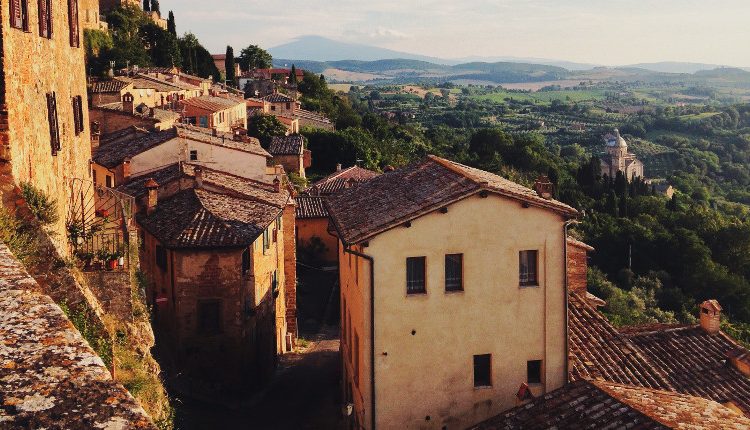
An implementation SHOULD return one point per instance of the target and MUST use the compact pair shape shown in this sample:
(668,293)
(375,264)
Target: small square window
(193,155)
(454,272)
(528,264)
(108,181)
(534,372)
(483,370)
(415,275)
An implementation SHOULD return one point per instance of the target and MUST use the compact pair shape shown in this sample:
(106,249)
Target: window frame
(74,24)
(245,261)
(411,291)
(528,281)
(46,28)
(200,327)
(460,287)
(193,155)
(532,365)
(477,361)
(266,240)
(19,15)
(54,123)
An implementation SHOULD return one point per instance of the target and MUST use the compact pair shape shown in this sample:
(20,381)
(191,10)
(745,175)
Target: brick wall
(290,270)
(577,265)
(111,121)
(113,290)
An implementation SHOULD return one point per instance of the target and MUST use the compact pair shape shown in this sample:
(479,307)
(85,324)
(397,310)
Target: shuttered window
(415,275)
(54,127)
(527,268)
(75,37)
(45,18)
(454,280)
(19,14)
(78,114)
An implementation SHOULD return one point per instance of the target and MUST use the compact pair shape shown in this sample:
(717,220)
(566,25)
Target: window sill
(483,387)
(451,292)
(422,294)
(529,286)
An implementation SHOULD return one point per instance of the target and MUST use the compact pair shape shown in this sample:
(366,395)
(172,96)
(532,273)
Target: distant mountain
(675,67)
(319,48)
(570,65)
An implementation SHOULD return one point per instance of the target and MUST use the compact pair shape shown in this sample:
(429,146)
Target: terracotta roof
(49,375)
(219,56)
(148,82)
(695,362)
(126,133)
(599,351)
(607,405)
(278,98)
(136,186)
(109,86)
(287,145)
(211,103)
(310,207)
(226,140)
(579,244)
(198,218)
(160,115)
(336,181)
(408,193)
(114,153)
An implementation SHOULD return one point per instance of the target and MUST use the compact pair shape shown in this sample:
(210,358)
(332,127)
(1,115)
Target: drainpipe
(567,224)
(372,327)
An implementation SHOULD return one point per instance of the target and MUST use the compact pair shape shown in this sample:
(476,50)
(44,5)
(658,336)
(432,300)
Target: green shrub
(42,206)
(81,319)
(17,236)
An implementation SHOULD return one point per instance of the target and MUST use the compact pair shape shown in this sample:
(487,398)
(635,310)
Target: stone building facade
(618,159)
(44,122)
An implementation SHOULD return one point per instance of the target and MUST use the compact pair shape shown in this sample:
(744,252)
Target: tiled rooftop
(113,153)
(278,98)
(109,86)
(410,192)
(336,181)
(211,103)
(287,145)
(49,376)
(199,218)
(310,207)
(608,405)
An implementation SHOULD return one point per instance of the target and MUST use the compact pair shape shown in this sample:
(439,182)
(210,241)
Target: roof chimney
(338,167)
(276,185)
(740,360)
(128,105)
(543,187)
(153,195)
(126,169)
(711,316)
(151,112)
(198,171)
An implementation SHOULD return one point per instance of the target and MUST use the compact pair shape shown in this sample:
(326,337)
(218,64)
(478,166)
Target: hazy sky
(598,31)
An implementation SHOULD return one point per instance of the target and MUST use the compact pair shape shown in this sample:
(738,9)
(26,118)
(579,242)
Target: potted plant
(102,256)
(84,259)
(113,260)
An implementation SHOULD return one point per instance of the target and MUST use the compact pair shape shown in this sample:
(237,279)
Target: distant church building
(617,158)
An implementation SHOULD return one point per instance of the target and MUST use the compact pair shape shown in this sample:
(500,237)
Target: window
(161,257)
(45,18)
(415,282)
(108,181)
(193,155)
(75,37)
(528,268)
(454,272)
(266,240)
(483,370)
(93,172)
(275,283)
(288,106)
(54,126)
(19,14)
(78,115)
(245,261)
(273,107)
(204,121)
(534,372)
(209,317)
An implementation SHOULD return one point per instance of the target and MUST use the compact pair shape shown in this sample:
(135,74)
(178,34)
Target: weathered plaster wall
(318,227)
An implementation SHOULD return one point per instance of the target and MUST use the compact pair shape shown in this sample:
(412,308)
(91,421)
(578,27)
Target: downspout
(567,224)
(372,328)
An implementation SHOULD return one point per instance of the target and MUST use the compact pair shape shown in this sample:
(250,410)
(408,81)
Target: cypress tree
(229,64)
(147,5)
(171,26)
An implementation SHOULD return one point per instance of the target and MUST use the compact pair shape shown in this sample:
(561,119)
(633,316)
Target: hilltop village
(163,238)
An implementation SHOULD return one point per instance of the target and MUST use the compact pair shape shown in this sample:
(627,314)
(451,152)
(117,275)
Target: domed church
(617,158)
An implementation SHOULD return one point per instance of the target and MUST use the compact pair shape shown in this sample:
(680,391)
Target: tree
(254,57)
(171,26)
(293,75)
(162,46)
(147,5)
(196,59)
(265,127)
(229,65)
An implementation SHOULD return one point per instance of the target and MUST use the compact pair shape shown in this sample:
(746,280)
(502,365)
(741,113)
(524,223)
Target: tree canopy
(254,57)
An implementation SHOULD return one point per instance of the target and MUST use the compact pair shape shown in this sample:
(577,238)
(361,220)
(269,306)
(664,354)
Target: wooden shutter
(73,18)
(76,116)
(54,130)
(50,26)
(16,16)
(44,19)
(82,125)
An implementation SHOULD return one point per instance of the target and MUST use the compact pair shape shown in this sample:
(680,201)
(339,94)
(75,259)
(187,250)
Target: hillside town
(186,251)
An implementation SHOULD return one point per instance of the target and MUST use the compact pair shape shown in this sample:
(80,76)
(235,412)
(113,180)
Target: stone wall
(110,120)
(50,373)
(577,265)
(290,270)
(39,66)
(114,292)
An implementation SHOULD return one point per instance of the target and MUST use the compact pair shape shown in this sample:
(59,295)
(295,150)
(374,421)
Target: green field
(543,96)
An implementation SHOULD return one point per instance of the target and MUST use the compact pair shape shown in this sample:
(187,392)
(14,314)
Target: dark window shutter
(76,115)
(54,131)
(16,17)
(73,18)
(43,19)
(50,26)
(82,124)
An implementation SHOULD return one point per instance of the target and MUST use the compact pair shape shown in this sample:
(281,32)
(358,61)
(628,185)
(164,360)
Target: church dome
(616,140)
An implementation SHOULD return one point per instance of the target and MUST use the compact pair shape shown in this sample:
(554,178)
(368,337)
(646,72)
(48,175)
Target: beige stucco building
(468,301)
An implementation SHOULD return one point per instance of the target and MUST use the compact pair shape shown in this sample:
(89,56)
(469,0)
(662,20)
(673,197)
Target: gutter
(372,327)
(566,225)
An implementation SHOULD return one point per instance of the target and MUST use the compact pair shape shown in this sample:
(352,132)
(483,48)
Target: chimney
(543,187)
(198,177)
(151,112)
(127,104)
(740,360)
(276,185)
(126,169)
(153,195)
(338,167)
(577,265)
(711,316)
